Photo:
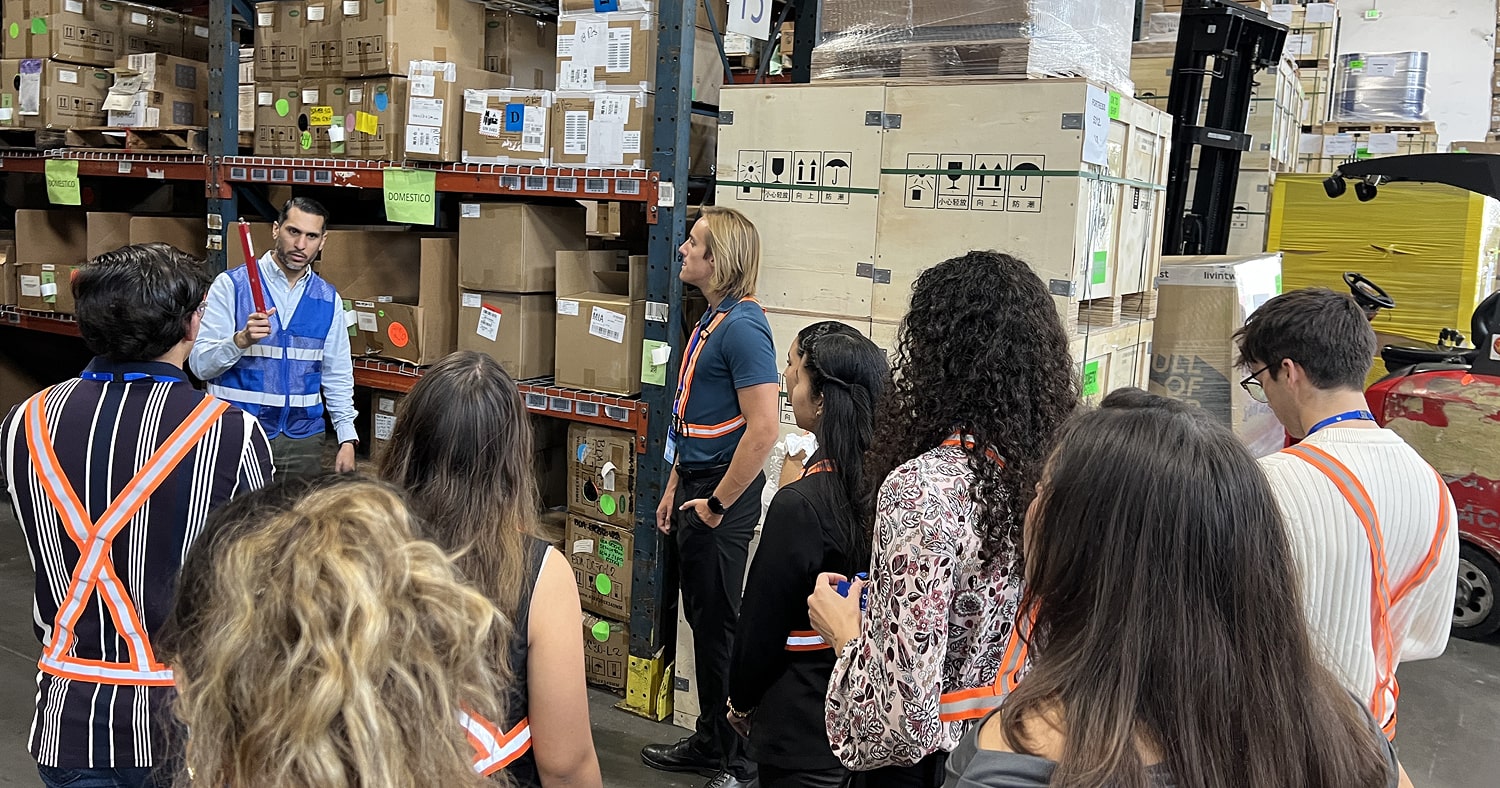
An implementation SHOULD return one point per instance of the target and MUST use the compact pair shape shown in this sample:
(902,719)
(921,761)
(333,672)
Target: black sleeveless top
(523,771)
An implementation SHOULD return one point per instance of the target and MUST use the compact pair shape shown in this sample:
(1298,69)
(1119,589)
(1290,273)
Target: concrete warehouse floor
(1449,723)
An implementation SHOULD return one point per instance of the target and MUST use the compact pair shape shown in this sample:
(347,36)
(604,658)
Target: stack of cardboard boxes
(57,56)
(50,245)
(600,544)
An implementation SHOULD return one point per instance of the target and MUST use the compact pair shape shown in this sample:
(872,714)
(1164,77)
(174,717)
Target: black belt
(696,472)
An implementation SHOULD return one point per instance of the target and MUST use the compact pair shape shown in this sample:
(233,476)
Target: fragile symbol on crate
(973,182)
(778,188)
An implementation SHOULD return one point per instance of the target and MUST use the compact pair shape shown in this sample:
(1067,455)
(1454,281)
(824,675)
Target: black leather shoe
(728,780)
(684,756)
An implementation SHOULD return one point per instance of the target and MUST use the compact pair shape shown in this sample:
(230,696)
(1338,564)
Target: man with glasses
(1371,524)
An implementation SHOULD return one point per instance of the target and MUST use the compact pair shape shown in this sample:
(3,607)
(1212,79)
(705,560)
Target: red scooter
(1444,399)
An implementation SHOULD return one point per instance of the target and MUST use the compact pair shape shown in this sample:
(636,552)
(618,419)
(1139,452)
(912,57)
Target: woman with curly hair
(983,380)
(319,643)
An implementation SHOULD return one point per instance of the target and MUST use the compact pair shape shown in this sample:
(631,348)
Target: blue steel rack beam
(223,122)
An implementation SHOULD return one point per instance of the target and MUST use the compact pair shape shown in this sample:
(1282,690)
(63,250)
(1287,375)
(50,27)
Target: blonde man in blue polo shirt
(724,423)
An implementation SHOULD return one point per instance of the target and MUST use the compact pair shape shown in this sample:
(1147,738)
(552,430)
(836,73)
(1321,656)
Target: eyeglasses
(1252,385)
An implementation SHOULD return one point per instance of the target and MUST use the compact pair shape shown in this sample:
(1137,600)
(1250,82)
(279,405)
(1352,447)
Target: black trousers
(930,772)
(774,777)
(711,569)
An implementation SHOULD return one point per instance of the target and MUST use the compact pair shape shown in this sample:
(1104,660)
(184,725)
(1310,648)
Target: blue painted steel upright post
(223,123)
(674,104)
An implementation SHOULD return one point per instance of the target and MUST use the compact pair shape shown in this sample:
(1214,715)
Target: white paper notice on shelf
(1338,145)
(607,324)
(424,139)
(368,322)
(425,111)
(631,143)
(590,42)
(1383,144)
(1281,13)
(385,426)
(567,307)
(1380,66)
(351,7)
(31,286)
(618,54)
(1321,13)
(612,106)
(533,129)
(1096,126)
(489,322)
(575,76)
(576,133)
(606,143)
(316,13)
(750,18)
(356,95)
(423,84)
(472,300)
(265,18)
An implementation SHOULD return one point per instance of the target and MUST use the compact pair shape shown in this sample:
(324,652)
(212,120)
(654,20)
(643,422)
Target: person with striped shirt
(1372,525)
(112,476)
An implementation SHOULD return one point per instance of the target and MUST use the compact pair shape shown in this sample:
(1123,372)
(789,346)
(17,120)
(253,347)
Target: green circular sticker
(607,505)
(15,30)
(601,631)
(39,26)
(306,140)
(282,107)
(603,584)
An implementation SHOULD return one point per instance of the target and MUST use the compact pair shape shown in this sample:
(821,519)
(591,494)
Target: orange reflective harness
(1383,700)
(494,750)
(680,427)
(95,571)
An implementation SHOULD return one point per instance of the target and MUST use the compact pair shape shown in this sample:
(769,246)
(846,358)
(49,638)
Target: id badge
(670,453)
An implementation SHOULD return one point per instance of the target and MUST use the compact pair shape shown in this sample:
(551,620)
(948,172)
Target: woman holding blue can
(780,667)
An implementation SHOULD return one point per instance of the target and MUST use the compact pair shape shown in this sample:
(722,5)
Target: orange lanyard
(822,466)
(967,442)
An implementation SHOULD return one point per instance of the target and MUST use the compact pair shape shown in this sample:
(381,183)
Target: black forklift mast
(1220,46)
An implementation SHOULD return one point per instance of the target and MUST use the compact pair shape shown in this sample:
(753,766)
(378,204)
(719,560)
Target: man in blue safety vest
(283,353)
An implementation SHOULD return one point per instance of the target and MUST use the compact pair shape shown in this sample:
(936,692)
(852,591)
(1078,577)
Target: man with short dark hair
(283,364)
(112,476)
(1371,524)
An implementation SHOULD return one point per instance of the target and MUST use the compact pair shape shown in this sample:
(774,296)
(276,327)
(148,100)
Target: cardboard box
(606,652)
(8,271)
(158,90)
(276,132)
(247,108)
(1202,301)
(321,114)
(602,557)
(519,331)
(512,247)
(85,32)
(587,129)
(510,127)
(322,38)
(260,241)
(386,406)
(51,236)
(48,94)
(621,51)
(420,119)
(195,38)
(525,47)
(419,333)
(168,73)
(106,232)
(383,37)
(187,234)
(45,287)
(278,41)
(552,525)
(600,322)
(149,29)
(368,263)
(601,474)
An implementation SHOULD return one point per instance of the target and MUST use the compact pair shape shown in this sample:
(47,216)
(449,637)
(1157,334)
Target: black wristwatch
(716,506)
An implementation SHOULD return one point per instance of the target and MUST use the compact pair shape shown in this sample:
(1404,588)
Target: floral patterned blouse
(937,619)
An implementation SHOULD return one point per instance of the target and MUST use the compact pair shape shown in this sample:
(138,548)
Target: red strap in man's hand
(252,266)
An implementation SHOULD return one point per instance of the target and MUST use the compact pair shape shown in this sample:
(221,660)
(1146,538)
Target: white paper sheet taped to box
(423,85)
(31,286)
(612,106)
(49,290)
(618,54)
(575,76)
(309,96)
(472,301)
(469,210)
(591,42)
(534,129)
(315,13)
(368,322)
(356,95)
(265,18)
(584,546)
(606,142)
(336,131)
(385,425)
(489,322)
(67,75)
(351,7)
(567,307)
(424,139)
(351,318)
(607,324)
(425,112)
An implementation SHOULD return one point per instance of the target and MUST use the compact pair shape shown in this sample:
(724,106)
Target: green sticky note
(39,26)
(611,552)
(1099,273)
(410,196)
(1091,379)
(306,140)
(601,631)
(282,107)
(1114,105)
(1353,64)
(15,30)
(607,506)
(1372,14)
(1278,284)
(349,310)
(603,584)
(62,182)
(653,374)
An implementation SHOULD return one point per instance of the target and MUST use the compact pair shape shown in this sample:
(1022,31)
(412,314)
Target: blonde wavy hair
(318,643)
(734,245)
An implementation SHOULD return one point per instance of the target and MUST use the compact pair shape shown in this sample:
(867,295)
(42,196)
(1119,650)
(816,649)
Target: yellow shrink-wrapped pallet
(1432,247)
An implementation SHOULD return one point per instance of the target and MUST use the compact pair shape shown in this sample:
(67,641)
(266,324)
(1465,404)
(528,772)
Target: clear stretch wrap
(860,39)
(1381,87)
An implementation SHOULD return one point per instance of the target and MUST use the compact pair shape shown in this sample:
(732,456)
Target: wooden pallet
(1412,127)
(1139,306)
(167,139)
(1101,312)
(32,139)
(957,57)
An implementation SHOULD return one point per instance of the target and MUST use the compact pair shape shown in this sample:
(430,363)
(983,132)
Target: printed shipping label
(144,20)
(607,324)
(384,425)
(368,322)
(475,101)
(73,6)
(567,307)
(351,7)
(469,210)
(425,112)
(534,130)
(619,51)
(576,133)
(632,143)
(472,300)
(31,286)
(424,139)
(356,95)
(489,322)
(68,76)
(424,85)
(316,13)
(309,97)
(265,18)
(265,98)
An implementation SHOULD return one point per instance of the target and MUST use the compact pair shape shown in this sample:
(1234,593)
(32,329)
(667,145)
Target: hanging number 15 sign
(750,18)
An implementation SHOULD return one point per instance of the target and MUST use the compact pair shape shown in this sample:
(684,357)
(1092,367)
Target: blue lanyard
(1349,415)
(129,377)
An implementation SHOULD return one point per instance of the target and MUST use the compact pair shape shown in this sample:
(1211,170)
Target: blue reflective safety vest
(279,380)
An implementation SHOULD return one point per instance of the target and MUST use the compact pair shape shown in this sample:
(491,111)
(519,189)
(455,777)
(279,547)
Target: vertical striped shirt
(104,428)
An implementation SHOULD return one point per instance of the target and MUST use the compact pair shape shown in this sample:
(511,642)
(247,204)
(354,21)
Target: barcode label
(534,129)
(607,324)
(576,133)
(618,60)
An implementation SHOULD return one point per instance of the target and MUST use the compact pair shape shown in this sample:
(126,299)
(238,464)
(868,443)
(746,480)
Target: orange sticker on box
(398,335)
(365,123)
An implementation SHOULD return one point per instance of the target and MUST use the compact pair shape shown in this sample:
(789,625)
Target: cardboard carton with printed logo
(7,268)
(158,90)
(602,558)
(386,406)
(601,316)
(276,132)
(40,94)
(599,51)
(321,118)
(420,116)
(278,41)
(83,32)
(522,46)
(195,38)
(322,38)
(601,473)
(148,29)
(519,331)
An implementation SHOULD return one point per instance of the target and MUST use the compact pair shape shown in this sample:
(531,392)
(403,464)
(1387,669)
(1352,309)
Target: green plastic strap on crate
(1084,174)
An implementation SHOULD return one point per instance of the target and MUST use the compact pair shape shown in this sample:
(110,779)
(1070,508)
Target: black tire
(1476,614)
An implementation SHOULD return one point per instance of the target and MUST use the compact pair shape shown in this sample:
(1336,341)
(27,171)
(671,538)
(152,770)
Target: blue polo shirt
(738,354)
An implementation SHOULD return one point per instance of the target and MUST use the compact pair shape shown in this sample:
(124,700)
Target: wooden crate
(1252,211)
(1362,141)
(1276,109)
(1317,92)
(1113,359)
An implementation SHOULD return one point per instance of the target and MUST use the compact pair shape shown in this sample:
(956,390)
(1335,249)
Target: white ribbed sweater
(1333,554)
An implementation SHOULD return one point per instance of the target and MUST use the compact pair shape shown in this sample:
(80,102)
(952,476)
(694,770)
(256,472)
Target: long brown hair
(1168,613)
(462,449)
